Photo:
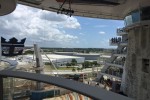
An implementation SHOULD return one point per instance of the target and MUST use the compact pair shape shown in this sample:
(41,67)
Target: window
(145,65)
(137,15)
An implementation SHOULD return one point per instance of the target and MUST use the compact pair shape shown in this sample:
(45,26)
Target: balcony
(115,64)
(114,71)
(120,53)
(117,41)
(123,43)
(111,76)
(121,31)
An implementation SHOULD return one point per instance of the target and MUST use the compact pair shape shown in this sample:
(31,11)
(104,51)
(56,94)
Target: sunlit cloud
(81,33)
(102,33)
(39,25)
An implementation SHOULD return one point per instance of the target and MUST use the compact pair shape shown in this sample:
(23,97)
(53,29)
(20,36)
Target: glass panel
(135,16)
(26,90)
(125,23)
(145,14)
(128,20)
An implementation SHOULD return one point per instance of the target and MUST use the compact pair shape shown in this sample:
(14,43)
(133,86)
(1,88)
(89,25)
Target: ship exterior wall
(138,63)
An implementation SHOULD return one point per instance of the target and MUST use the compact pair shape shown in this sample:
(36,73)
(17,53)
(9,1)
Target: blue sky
(96,32)
(49,29)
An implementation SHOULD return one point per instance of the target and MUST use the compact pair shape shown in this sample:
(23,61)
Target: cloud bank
(45,28)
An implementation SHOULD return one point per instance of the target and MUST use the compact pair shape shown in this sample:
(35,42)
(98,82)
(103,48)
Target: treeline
(85,64)
(79,50)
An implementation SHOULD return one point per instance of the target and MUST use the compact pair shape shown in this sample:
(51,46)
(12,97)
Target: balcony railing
(117,40)
(119,52)
(118,62)
(111,76)
(121,31)
(114,73)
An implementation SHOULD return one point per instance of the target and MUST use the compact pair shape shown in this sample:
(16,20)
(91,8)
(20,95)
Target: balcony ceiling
(107,9)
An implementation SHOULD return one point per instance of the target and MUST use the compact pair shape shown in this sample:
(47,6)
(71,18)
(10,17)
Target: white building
(58,60)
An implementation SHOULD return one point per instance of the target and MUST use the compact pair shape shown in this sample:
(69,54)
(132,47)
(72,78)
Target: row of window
(138,15)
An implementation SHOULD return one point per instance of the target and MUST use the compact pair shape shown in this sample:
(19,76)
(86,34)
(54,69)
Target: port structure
(9,74)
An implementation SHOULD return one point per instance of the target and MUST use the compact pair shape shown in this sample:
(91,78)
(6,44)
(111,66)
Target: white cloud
(81,33)
(102,32)
(39,25)
(72,23)
(62,21)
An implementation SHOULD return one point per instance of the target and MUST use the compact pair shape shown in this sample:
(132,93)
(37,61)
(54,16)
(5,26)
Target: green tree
(86,64)
(48,63)
(94,63)
(28,52)
(73,69)
(68,64)
(73,62)
(78,69)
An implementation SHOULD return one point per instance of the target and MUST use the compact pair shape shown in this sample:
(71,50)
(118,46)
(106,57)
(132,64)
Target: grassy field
(65,68)
(48,68)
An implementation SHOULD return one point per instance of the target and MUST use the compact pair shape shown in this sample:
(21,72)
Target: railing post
(1,88)
(39,64)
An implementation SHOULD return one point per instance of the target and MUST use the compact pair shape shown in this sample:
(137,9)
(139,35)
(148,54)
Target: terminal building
(58,60)
(87,56)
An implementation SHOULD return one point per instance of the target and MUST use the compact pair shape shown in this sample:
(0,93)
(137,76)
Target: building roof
(90,54)
(105,56)
(54,56)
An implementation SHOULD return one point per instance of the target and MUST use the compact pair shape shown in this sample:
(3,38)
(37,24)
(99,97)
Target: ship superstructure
(114,67)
